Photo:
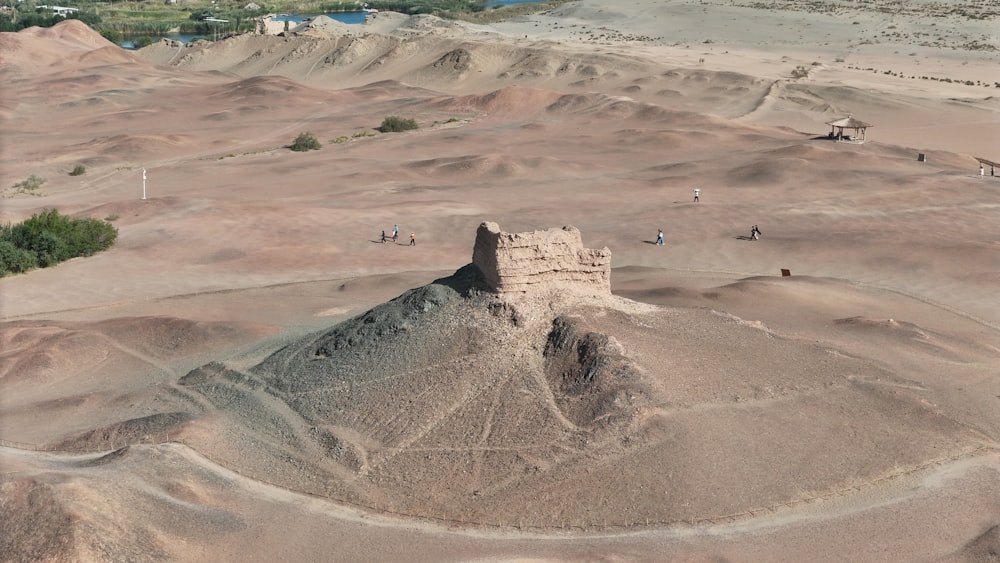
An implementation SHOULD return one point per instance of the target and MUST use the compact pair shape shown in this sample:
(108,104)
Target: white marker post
(143,183)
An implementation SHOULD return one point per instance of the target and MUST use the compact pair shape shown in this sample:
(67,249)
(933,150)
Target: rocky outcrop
(520,263)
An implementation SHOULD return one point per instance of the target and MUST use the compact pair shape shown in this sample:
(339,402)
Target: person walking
(395,232)
(659,236)
(383,236)
(696,193)
(754,233)
(413,239)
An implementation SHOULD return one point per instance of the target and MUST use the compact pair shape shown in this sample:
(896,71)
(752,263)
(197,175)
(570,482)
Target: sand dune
(201,401)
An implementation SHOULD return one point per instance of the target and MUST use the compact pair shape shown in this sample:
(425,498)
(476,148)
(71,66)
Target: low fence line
(166,438)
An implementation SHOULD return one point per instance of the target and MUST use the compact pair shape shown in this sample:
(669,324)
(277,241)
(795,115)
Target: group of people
(754,230)
(395,236)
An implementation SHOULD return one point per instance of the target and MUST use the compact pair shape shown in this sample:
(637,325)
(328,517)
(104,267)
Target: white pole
(143,183)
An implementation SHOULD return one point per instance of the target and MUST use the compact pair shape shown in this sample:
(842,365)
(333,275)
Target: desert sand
(172,397)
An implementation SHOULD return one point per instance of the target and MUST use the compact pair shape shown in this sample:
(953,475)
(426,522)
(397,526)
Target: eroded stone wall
(540,261)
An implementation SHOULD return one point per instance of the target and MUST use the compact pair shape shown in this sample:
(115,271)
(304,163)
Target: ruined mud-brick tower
(520,263)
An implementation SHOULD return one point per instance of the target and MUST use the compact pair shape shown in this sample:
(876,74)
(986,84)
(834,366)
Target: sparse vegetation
(32,183)
(28,186)
(78,170)
(396,124)
(473,13)
(305,142)
(946,80)
(341,139)
(48,238)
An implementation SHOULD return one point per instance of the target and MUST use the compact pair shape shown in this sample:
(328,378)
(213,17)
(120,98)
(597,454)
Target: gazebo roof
(849,122)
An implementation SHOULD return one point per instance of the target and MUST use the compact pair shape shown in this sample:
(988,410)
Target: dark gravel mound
(34,524)
(154,427)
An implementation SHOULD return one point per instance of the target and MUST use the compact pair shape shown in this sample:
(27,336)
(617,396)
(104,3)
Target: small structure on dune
(531,263)
(987,162)
(850,122)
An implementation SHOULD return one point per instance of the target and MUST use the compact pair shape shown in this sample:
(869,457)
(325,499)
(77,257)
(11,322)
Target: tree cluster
(48,238)
(20,19)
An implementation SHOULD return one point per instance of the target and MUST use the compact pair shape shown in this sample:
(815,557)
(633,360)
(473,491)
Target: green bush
(113,35)
(78,170)
(48,238)
(395,124)
(305,142)
(14,260)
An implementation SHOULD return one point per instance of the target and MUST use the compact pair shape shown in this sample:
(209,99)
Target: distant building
(62,11)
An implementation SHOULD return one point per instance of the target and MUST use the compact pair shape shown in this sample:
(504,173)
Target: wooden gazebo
(850,122)
(986,162)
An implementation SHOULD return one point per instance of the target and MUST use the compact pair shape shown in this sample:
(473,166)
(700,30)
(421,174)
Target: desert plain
(189,394)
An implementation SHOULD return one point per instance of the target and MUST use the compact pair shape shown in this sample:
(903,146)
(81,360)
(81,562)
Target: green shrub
(14,260)
(395,124)
(305,142)
(48,238)
(113,35)
(49,249)
(78,170)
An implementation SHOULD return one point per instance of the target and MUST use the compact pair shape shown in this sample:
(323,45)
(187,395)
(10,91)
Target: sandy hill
(543,405)
(424,404)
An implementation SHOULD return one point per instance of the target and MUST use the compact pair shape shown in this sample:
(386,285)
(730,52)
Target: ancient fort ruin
(520,263)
